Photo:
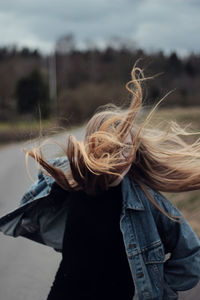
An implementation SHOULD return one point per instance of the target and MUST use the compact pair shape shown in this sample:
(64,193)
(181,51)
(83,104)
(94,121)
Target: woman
(101,207)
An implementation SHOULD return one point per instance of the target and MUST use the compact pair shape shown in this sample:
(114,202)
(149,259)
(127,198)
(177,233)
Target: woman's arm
(182,269)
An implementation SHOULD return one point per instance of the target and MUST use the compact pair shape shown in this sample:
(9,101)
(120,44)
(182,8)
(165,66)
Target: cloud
(152,24)
(172,25)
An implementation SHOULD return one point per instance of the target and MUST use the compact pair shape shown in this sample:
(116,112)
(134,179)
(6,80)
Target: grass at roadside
(22,130)
(25,130)
(189,116)
(180,114)
(21,125)
(189,204)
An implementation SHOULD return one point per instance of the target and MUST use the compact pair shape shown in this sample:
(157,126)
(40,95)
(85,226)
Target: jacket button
(131,246)
(139,275)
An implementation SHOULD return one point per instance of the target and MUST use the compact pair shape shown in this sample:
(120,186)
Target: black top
(94,264)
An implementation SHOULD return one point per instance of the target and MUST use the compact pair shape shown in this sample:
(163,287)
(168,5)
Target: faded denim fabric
(148,235)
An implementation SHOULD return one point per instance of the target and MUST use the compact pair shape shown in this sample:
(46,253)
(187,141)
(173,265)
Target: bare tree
(65,44)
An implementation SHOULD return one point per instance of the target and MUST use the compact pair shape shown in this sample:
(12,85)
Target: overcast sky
(166,25)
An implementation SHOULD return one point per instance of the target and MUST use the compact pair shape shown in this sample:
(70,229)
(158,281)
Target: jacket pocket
(154,254)
(154,258)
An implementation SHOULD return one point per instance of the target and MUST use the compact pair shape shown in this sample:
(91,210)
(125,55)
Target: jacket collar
(130,190)
(60,162)
(130,194)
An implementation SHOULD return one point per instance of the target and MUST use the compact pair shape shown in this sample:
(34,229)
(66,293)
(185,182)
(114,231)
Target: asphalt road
(27,269)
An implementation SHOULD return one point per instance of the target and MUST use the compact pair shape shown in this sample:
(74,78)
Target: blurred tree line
(85,79)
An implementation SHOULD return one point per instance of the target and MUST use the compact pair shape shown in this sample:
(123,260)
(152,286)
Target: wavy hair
(159,157)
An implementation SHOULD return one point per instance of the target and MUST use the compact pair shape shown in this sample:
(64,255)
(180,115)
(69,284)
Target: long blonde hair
(159,158)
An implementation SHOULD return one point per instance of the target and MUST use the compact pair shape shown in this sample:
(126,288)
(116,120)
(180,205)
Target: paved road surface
(27,269)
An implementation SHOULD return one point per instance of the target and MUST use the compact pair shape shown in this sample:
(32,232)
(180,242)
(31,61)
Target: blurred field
(19,131)
(22,130)
(189,204)
(25,130)
(188,115)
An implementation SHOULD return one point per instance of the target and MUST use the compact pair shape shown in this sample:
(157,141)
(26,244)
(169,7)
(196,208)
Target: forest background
(66,86)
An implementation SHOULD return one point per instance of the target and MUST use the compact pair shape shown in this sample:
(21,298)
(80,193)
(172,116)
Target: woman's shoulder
(152,199)
(60,161)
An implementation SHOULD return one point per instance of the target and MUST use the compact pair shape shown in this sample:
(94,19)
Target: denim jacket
(149,236)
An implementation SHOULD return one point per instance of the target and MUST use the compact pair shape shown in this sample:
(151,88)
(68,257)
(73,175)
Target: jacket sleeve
(43,185)
(44,219)
(23,218)
(38,188)
(182,269)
